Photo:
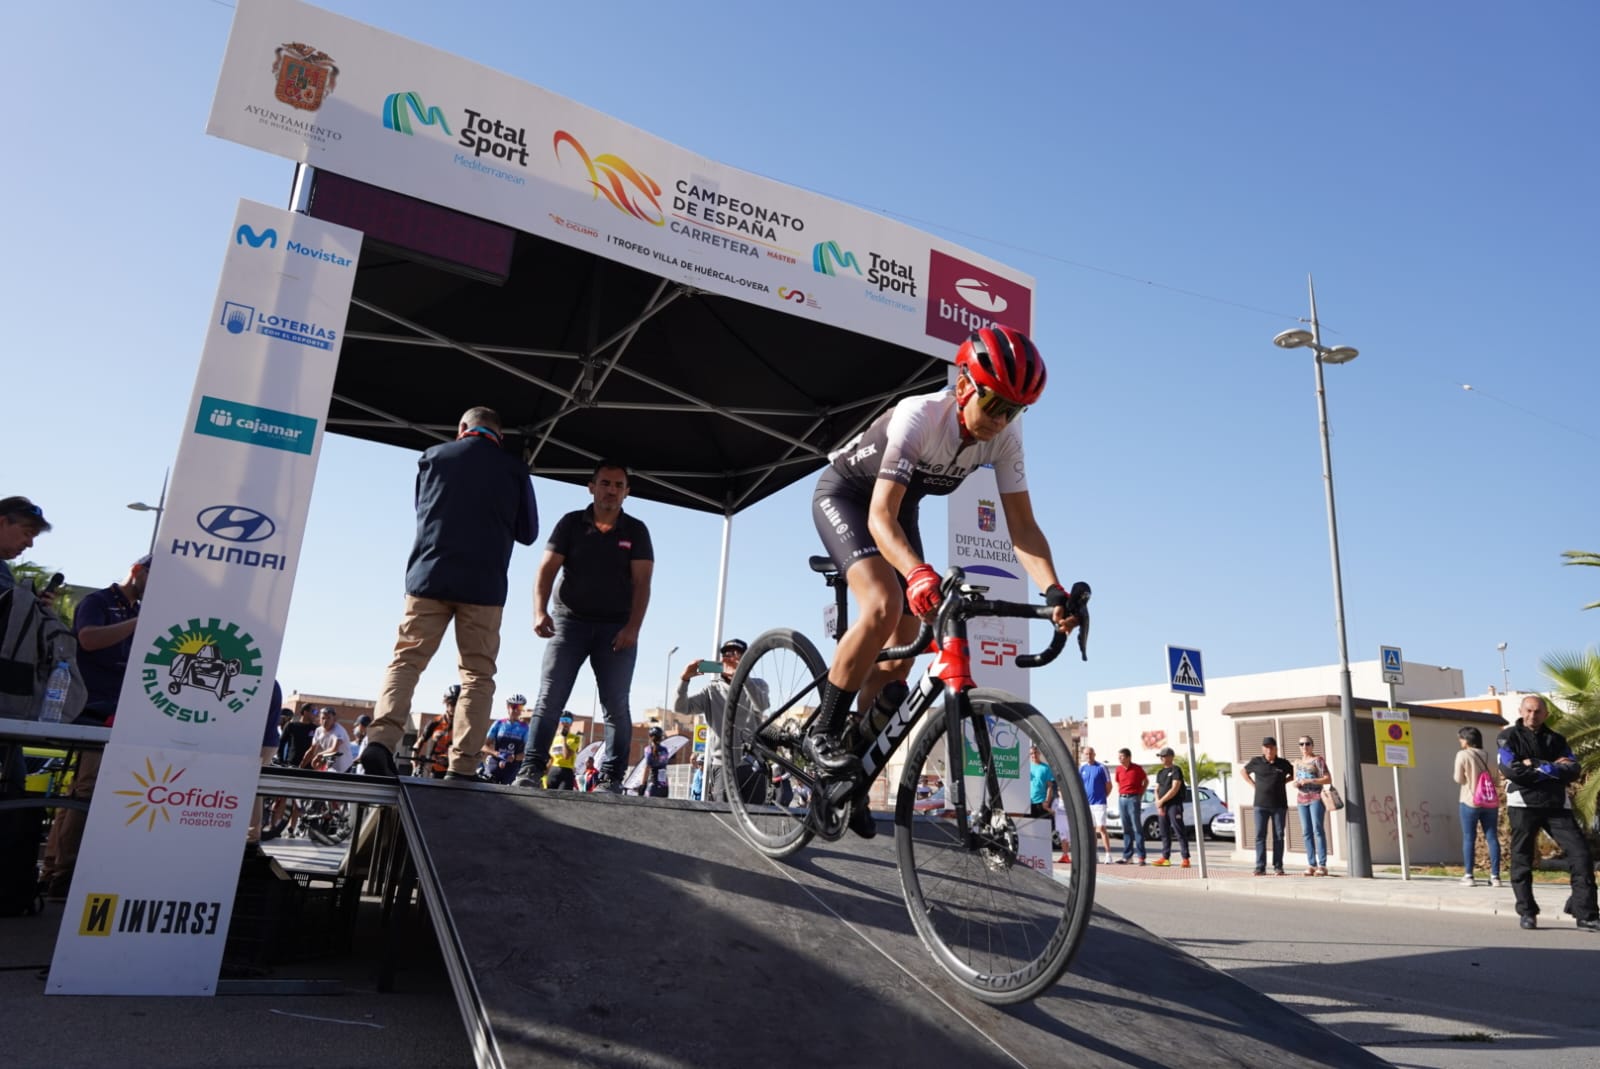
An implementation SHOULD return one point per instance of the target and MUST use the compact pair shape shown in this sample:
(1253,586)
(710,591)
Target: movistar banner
(162,847)
(321,89)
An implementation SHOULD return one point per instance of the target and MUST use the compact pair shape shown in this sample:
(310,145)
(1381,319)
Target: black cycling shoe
(376,760)
(861,821)
(828,754)
(466,777)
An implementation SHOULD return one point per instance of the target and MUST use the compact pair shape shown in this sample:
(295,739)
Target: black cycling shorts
(840,515)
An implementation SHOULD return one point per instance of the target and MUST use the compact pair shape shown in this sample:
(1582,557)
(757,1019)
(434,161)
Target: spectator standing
(591,775)
(1269,774)
(358,739)
(1480,806)
(1170,789)
(655,765)
(1131,783)
(605,561)
(1538,764)
(564,748)
(507,741)
(21,521)
(1044,797)
(1310,776)
(474,500)
(713,698)
(697,778)
(104,625)
(1096,785)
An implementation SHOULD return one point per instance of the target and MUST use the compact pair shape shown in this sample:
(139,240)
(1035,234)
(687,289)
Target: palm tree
(1578,556)
(1577,681)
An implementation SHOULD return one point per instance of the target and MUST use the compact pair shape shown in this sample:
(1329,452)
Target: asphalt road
(1415,987)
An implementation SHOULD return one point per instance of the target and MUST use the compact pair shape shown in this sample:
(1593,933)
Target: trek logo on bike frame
(896,728)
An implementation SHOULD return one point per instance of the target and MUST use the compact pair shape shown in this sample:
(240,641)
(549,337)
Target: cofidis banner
(321,89)
(160,859)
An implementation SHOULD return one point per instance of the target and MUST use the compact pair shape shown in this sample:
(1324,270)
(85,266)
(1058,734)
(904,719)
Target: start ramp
(596,930)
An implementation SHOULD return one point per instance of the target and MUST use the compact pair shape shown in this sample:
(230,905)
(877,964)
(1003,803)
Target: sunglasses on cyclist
(995,405)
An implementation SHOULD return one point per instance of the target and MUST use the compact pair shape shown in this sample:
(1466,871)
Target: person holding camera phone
(713,699)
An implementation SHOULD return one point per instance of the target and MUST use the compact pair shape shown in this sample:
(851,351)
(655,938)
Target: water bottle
(55,692)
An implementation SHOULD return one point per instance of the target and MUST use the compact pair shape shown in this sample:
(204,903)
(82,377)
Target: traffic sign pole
(1399,807)
(1194,788)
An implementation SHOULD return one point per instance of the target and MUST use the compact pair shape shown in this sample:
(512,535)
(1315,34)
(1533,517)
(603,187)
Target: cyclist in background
(506,742)
(865,508)
(562,774)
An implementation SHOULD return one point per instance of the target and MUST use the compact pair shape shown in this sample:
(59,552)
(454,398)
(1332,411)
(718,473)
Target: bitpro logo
(105,914)
(159,795)
(963,297)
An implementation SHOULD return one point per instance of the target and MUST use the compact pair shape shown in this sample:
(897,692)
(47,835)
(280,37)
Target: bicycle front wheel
(779,667)
(1004,908)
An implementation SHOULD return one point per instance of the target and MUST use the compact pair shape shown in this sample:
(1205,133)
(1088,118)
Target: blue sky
(1169,173)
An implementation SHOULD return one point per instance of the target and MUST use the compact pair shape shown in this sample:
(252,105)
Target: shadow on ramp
(594,930)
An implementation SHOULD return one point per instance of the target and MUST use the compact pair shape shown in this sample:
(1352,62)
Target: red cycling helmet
(1003,360)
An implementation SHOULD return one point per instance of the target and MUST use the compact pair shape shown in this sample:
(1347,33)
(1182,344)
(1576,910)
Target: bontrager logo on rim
(964,297)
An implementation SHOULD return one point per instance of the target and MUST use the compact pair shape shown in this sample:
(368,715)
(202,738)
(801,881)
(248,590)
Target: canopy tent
(612,294)
(713,402)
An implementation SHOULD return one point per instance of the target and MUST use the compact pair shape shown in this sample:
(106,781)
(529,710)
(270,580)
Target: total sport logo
(492,140)
(964,297)
(892,281)
(196,672)
(238,525)
(157,796)
(240,318)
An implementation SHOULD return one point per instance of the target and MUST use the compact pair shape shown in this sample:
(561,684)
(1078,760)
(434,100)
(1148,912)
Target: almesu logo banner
(160,859)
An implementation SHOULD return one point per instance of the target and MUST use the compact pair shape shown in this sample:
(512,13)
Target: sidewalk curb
(1391,893)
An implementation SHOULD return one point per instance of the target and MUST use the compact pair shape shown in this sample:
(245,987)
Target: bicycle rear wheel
(778,667)
(1003,910)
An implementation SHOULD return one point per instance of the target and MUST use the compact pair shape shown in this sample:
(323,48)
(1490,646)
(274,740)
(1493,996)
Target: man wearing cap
(1169,807)
(358,740)
(563,774)
(103,623)
(474,501)
(713,699)
(21,521)
(330,744)
(507,740)
(1270,775)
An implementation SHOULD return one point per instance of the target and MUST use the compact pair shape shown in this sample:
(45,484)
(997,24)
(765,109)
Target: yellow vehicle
(47,770)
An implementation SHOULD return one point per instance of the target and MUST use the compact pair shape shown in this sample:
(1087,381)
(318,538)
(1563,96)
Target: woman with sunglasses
(865,508)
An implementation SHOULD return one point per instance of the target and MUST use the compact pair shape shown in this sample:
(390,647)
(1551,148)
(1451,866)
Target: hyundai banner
(197,695)
(324,90)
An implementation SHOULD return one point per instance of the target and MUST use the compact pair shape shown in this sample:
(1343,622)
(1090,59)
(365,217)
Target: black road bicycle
(985,888)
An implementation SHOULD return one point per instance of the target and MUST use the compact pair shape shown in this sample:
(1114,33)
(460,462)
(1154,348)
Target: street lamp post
(666,688)
(1355,809)
(140,506)
(1505,673)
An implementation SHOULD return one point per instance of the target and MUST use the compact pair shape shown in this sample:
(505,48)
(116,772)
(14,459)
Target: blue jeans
(1277,817)
(1170,820)
(1314,828)
(574,642)
(1130,808)
(1473,818)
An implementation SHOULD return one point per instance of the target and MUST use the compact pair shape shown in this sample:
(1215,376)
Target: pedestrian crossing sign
(1394,670)
(1183,669)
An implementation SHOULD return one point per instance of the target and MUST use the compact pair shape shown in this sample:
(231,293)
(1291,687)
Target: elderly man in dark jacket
(1538,764)
(474,500)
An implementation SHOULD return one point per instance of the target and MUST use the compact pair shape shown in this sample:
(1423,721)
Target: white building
(1148,717)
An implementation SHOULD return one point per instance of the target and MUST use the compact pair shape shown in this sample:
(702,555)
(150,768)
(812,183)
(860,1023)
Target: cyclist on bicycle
(865,508)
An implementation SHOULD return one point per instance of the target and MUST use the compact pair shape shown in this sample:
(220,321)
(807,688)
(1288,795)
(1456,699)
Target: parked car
(47,771)
(1210,808)
(1222,827)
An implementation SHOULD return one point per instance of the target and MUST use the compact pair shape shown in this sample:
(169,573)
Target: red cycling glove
(922,590)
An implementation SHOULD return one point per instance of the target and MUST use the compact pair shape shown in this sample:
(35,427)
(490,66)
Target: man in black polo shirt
(104,623)
(605,560)
(473,501)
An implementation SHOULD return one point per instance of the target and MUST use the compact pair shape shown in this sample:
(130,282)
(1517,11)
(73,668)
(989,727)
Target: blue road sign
(1393,665)
(1183,668)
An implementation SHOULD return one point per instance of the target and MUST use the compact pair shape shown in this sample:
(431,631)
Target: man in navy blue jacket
(473,501)
(1538,764)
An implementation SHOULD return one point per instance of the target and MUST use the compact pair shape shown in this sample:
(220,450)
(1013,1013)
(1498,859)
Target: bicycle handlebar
(1076,603)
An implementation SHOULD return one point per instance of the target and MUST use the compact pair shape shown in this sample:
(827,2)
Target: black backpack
(20,833)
